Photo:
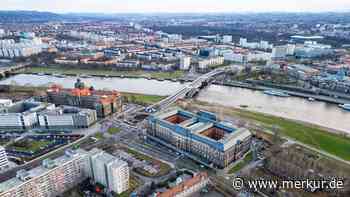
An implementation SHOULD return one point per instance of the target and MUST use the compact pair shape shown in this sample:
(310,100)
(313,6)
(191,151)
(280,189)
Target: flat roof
(40,170)
(201,122)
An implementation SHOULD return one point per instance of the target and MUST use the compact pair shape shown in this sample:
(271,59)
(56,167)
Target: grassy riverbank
(308,134)
(78,71)
(142,98)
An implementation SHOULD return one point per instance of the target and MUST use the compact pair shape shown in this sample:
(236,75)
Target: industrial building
(109,171)
(200,134)
(104,102)
(65,117)
(51,178)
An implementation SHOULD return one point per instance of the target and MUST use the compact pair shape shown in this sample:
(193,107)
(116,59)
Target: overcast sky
(117,6)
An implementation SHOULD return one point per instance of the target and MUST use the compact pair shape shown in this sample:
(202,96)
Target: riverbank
(294,92)
(318,137)
(143,99)
(103,73)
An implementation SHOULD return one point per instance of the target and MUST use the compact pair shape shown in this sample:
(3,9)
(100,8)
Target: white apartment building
(255,45)
(90,36)
(226,39)
(109,171)
(249,57)
(2,32)
(50,179)
(291,49)
(118,176)
(279,52)
(3,158)
(185,63)
(24,48)
(205,63)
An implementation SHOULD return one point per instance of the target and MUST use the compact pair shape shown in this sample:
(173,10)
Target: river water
(319,113)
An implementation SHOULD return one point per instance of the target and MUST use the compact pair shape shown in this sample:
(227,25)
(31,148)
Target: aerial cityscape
(174,99)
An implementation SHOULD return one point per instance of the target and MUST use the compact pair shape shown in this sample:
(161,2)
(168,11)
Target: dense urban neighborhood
(171,104)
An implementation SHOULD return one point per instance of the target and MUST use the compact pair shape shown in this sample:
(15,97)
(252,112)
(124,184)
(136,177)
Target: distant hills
(36,16)
(28,16)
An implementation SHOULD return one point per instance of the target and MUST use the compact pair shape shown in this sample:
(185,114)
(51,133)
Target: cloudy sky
(117,6)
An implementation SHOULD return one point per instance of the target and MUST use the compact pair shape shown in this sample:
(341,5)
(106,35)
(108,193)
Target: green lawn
(142,99)
(99,136)
(307,134)
(31,145)
(167,75)
(248,158)
(78,71)
(113,130)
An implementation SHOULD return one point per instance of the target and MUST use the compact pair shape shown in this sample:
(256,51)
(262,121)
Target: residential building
(187,187)
(204,64)
(24,48)
(243,42)
(3,158)
(2,33)
(226,39)
(311,49)
(50,179)
(109,171)
(185,63)
(201,135)
(279,52)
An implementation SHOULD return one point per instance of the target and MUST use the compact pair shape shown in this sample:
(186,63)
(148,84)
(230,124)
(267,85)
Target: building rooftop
(202,126)
(62,110)
(24,107)
(48,165)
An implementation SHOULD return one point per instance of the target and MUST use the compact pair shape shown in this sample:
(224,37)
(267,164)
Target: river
(319,113)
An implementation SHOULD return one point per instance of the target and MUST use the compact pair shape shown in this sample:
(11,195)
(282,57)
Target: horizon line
(179,12)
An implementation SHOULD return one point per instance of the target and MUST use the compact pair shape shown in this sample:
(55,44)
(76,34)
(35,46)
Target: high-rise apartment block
(3,158)
(52,178)
(109,171)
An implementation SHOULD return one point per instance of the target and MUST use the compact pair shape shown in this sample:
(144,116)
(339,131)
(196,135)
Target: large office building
(201,135)
(66,117)
(52,178)
(29,114)
(109,171)
(21,115)
(104,102)
(3,158)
